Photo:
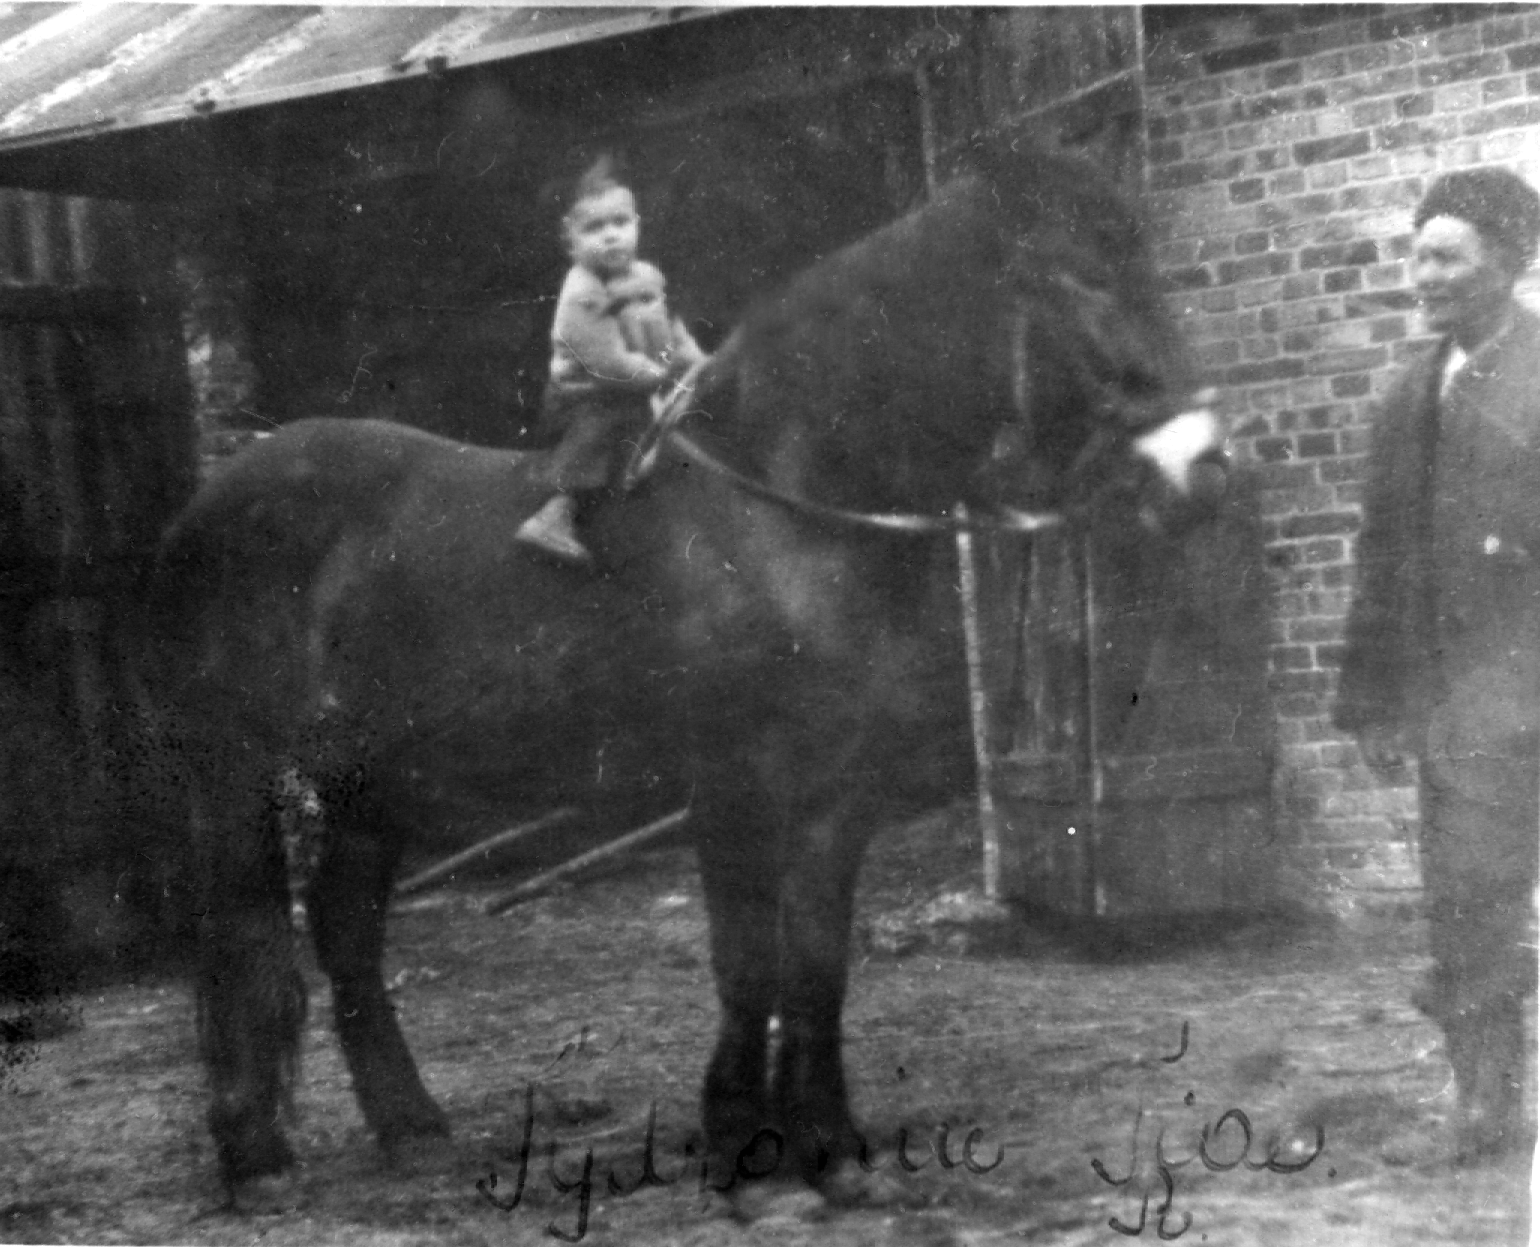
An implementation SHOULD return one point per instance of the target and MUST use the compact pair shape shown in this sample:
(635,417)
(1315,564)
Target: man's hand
(1384,749)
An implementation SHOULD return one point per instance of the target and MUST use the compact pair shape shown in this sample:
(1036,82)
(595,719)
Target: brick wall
(1287,147)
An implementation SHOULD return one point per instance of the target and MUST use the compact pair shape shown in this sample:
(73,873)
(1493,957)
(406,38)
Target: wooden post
(978,704)
(1091,767)
(427,878)
(533,887)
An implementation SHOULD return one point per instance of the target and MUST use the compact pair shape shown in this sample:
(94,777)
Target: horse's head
(1006,345)
(1099,377)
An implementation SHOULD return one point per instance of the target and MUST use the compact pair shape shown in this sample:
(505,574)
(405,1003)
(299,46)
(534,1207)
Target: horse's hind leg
(250,996)
(347,904)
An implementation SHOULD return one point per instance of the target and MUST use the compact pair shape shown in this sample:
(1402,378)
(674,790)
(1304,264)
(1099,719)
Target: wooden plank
(479,852)
(531,888)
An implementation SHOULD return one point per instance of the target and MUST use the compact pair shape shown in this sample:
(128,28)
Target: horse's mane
(898,348)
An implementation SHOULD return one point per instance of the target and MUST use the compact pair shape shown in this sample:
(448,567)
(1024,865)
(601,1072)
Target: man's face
(602,231)
(1462,280)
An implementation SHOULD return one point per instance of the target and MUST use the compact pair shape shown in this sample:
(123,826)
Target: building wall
(1287,147)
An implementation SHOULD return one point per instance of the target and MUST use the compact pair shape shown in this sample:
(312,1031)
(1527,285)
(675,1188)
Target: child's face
(602,231)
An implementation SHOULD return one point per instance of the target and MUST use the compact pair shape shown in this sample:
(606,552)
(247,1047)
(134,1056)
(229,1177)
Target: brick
(1411,133)
(1525,57)
(1403,194)
(1311,630)
(1403,23)
(1284,75)
(1270,264)
(1365,251)
(1328,176)
(1343,470)
(1458,98)
(1267,370)
(1339,147)
(1330,656)
(1292,658)
(1270,158)
(1315,445)
(1332,363)
(1217,354)
(1265,106)
(1253,242)
(1459,41)
(1410,107)
(1273,449)
(1275,21)
(1503,30)
(1192,278)
(1353,385)
(1462,69)
(1289,182)
(1225,60)
(1342,279)
(1373,113)
(1503,117)
(1496,90)
(1301,286)
(1173,177)
(1323,524)
(1208,117)
(1247,191)
(1387,328)
(1296,682)
(1205,144)
(1368,168)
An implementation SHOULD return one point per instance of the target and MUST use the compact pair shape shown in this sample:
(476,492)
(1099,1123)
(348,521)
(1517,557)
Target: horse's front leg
(347,903)
(817,899)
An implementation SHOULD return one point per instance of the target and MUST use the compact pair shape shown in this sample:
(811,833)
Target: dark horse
(347,596)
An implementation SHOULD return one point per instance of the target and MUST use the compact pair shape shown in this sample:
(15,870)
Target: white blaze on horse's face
(1177,445)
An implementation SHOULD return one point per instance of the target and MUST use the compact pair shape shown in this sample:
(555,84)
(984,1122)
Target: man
(1443,642)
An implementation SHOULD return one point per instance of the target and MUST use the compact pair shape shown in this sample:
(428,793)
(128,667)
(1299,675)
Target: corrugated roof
(69,70)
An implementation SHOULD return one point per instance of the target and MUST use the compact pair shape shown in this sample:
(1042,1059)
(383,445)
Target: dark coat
(1443,639)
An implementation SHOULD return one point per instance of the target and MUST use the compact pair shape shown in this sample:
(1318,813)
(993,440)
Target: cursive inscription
(760,1157)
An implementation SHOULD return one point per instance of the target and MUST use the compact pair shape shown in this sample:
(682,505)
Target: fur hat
(1504,208)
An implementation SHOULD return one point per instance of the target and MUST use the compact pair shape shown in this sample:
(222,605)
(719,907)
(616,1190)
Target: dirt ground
(599,997)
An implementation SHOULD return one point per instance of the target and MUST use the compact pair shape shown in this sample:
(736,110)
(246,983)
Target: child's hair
(603,174)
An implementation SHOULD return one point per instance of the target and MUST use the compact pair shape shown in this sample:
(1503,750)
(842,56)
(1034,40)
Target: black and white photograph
(797,624)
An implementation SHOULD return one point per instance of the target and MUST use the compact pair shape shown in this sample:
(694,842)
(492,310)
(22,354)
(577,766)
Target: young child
(613,346)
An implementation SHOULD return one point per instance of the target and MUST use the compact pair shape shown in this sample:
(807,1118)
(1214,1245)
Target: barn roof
(69,71)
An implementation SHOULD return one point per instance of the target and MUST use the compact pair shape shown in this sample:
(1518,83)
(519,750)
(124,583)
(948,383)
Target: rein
(665,428)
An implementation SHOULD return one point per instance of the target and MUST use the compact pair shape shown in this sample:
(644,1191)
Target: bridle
(672,412)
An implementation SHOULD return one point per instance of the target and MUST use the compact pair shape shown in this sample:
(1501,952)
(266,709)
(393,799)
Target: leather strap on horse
(665,427)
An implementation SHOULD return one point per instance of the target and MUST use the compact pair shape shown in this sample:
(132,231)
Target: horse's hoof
(260,1155)
(759,1203)
(264,1195)
(849,1184)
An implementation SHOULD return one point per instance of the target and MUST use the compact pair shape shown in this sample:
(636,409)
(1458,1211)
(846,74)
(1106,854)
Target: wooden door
(1133,735)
